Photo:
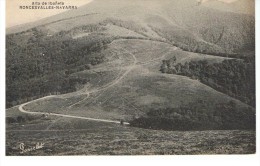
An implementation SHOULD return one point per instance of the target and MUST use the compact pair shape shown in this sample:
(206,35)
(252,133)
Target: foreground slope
(108,139)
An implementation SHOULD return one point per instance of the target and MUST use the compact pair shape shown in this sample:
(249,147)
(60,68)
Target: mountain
(105,59)
(181,22)
(239,6)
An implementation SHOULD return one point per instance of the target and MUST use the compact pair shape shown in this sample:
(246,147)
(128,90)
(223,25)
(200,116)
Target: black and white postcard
(130,77)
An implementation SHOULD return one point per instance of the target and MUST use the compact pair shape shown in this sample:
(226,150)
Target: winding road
(64,115)
(21,107)
(88,93)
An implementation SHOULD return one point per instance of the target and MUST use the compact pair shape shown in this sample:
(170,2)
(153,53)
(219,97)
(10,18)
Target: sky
(16,16)
(226,1)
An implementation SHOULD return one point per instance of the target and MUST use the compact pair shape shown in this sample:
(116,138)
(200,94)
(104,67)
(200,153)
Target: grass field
(95,138)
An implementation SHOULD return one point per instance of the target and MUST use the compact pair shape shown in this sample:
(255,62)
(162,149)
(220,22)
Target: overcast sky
(226,1)
(16,16)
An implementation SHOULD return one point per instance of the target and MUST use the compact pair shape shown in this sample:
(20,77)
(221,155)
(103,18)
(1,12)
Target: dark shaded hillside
(198,116)
(38,64)
(233,77)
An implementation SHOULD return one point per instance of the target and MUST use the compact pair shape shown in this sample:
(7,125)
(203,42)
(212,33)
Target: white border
(201,160)
(2,80)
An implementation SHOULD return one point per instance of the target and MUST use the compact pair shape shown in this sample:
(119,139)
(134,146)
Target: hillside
(103,61)
(180,22)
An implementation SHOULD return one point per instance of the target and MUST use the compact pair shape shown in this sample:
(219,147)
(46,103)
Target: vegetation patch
(42,63)
(198,116)
(233,77)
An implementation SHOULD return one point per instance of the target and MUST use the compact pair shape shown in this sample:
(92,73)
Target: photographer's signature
(24,148)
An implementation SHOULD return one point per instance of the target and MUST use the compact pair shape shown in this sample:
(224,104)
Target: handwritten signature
(25,149)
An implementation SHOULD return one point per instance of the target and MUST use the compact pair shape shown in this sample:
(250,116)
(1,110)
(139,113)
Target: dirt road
(88,93)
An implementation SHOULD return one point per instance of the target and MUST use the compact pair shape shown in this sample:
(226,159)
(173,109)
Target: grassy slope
(104,139)
(140,90)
